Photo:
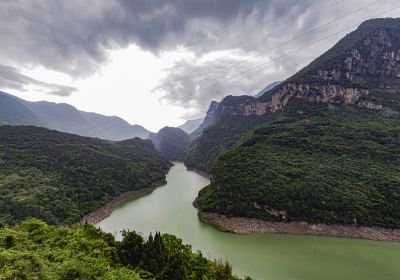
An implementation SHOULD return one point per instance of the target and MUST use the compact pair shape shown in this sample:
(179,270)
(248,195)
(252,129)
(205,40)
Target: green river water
(269,256)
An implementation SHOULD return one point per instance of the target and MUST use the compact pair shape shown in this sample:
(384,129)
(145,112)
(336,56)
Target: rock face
(361,70)
(366,59)
(318,93)
(322,147)
(242,225)
(208,120)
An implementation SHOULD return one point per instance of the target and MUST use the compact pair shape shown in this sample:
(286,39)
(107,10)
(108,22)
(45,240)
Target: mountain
(207,121)
(14,111)
(60,177)
(322,147)
(66,118)
(191,125)
(171,142)
(267,88)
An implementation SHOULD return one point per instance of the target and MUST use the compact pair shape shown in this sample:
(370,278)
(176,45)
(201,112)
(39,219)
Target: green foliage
(41,251)
(313,163)
(171,142)
(60,177)
(216,139)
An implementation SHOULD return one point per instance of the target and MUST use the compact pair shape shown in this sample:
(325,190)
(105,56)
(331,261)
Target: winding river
(286,257)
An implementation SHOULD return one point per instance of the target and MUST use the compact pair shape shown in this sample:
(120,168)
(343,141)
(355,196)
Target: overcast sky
(158,63)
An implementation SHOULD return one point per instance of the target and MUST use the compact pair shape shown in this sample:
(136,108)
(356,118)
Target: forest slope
(327,147)
(60,177)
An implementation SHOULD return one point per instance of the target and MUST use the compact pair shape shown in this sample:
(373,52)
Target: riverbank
(106,210)
(254,226)
(201,173)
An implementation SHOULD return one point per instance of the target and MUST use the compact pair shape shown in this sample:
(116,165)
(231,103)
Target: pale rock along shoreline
(106,210)
(254,226)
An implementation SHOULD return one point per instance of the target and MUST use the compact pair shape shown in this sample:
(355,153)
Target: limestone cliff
(365,60)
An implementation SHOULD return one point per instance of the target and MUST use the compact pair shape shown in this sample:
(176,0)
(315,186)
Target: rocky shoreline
(254,226)
(201,173)
(106,210)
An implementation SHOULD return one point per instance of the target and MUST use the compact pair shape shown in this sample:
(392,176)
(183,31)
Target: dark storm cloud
(266,36)
(74,36)
(196,84)
(11,79)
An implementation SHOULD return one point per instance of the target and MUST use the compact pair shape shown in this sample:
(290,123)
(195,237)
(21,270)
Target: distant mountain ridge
(267,88)
(66,118)
(171,142)
(191,125)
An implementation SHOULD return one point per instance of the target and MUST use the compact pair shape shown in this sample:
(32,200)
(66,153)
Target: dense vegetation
(316,163)
(171,142)
(216,139)
(60,177)
(35,250)
(370,68)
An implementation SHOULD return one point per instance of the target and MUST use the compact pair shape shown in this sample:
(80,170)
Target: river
(269,256)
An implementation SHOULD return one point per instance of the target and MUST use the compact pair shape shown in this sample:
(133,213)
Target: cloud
(74,37)
(267,41)
(10,78)
(190,85)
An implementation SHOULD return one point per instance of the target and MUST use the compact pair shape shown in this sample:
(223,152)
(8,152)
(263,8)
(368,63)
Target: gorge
(169,209)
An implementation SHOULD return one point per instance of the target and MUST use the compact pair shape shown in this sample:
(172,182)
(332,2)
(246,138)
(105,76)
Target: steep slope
(267,88)
(60,177)
(66,118)
(365,71)
(208,120)
(327,150)
(191,125)
(171,142)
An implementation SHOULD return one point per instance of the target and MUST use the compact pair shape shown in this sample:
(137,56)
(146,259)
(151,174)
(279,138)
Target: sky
(158,62)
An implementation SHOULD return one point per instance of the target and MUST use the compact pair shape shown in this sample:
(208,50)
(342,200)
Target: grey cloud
(73,36)
(267,36)
(190,85)
(10,78)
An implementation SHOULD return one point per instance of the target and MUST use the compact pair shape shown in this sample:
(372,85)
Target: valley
(262,256)
(290,172)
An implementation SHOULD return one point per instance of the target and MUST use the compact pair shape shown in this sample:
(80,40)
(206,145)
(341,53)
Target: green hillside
(35,250)
(60,177)
(324,166)
(328,151)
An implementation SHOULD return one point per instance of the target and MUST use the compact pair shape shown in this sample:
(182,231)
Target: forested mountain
(35,250)
(66,118)
(60,177)
(326,142)
(171,142)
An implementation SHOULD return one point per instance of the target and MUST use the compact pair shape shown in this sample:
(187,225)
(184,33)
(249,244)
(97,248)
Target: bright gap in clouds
(123,87)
